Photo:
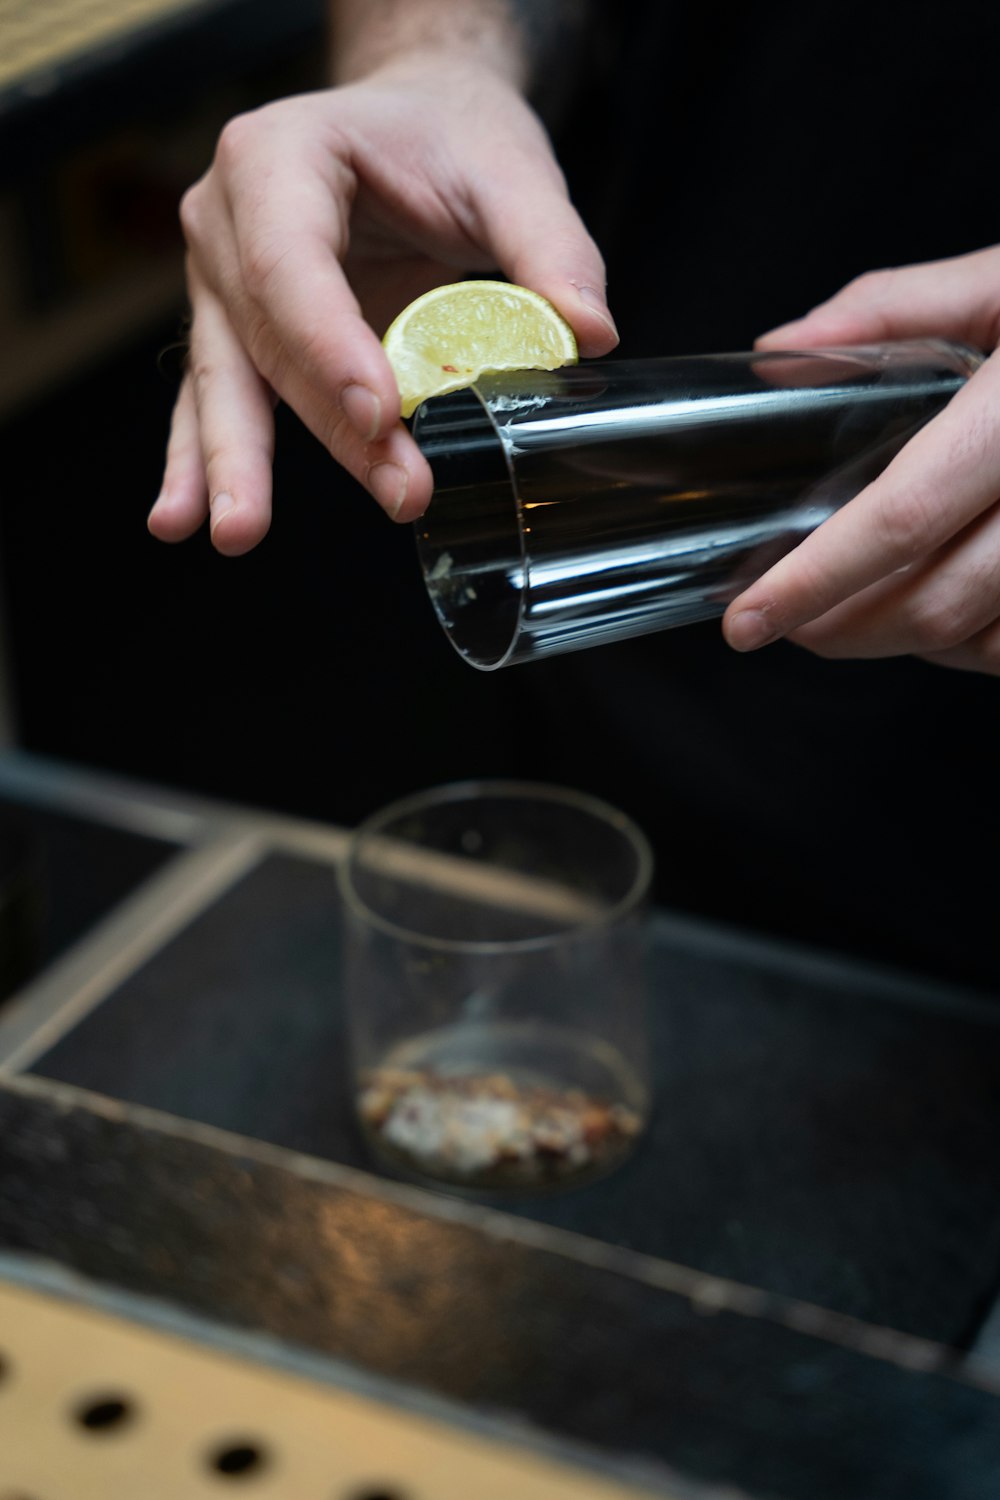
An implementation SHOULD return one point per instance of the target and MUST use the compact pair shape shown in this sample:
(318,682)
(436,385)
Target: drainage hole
(106,1414)
(238,1459)
(378,1494)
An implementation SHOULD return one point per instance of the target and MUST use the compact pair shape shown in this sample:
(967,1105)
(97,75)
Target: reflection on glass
(574,507)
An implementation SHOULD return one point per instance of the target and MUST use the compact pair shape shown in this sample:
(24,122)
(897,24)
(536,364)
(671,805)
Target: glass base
(503,1106)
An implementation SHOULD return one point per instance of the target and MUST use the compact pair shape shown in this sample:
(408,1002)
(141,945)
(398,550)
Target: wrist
(407,38)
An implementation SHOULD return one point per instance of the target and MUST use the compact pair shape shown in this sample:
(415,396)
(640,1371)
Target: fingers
(235,424)
(390,466)
(182,504)
(540,241)
(946,476)
(324,360)
(912,565)
(303,317)
(924,611)
(289,241)
(958,295)
(303,329)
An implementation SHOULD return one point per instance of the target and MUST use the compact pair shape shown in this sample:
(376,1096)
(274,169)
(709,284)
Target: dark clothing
(738,166)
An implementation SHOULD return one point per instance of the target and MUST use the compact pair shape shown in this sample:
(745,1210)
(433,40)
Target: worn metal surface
(502,1319)
(820,1131)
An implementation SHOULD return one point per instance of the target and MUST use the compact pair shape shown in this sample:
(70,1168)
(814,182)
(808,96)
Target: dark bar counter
(789,1291)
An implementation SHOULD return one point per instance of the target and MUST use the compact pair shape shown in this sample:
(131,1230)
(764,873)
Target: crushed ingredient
(488,1130)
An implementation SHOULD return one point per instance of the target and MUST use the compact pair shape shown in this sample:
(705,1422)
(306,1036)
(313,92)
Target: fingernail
(388,483)
(220,505)
(750,629)
(363,410)
(597,304)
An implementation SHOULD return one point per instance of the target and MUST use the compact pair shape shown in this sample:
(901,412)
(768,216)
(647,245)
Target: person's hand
(320,218)
(911,566)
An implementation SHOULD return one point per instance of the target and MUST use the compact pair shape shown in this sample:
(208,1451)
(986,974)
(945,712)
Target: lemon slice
(450,336)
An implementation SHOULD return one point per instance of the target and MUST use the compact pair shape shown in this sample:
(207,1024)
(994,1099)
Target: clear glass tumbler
(579,506)
(495,984)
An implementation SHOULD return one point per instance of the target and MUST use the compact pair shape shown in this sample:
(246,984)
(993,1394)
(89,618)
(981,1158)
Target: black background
(736,165)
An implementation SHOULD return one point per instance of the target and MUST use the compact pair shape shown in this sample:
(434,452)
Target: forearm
(520,40)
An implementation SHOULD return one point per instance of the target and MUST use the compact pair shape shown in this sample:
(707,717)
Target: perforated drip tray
(97,1407)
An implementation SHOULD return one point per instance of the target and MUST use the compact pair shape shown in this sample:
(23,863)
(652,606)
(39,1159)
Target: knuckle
(831,650)
(203,370)
(225,462)
(872,286)
(317,356)
(217,458)
(331,433)
(810,594)
(190,212)
(905,526)
(820,642)
(940,621)
(236,138)
(260,261)
(262,349)
(973,440)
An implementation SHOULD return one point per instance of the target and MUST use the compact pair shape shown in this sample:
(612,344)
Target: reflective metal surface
(585,505)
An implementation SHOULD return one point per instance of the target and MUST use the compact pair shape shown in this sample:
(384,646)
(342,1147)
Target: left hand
(911,565)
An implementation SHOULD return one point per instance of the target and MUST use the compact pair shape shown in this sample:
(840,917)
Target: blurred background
(310,676)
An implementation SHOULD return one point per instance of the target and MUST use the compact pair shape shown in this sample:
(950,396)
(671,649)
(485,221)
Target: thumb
(540,241)
(957,298)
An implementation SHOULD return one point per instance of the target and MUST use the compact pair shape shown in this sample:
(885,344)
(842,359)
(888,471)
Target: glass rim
(427,414)
(500,789)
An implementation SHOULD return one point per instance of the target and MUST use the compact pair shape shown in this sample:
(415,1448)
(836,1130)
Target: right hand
(319,219)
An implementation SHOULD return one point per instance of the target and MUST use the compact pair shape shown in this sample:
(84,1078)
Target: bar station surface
(788,1291)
